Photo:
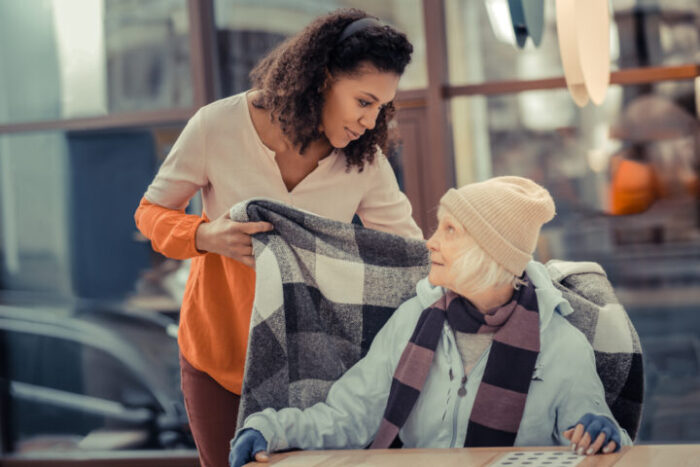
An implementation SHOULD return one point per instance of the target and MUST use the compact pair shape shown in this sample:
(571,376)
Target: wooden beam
(410,99)
(203,52)
(623,77)
(654,74)
(438,163)
(118,120)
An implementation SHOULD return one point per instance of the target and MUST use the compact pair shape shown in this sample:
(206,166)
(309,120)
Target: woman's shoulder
(561,338)
(226,107)
(403,321)
(228,122)
(426,294)
(379,160)
(378,171)
(371,174)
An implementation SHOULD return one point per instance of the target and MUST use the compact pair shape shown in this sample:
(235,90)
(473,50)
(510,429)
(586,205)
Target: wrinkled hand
(595,429)
(229,238)
(250,445)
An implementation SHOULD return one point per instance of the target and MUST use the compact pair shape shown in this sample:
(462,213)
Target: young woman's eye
(363,103)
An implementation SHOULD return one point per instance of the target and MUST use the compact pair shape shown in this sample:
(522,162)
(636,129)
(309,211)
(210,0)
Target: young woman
(480,357)
(308,134)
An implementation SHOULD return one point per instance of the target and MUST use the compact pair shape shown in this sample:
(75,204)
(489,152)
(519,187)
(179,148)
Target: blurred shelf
(161,303)
(665,297)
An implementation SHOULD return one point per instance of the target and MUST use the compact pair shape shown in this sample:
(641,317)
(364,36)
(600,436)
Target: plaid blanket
(323,290)
(602,319)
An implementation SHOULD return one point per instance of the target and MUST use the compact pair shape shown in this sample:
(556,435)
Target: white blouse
(221,153)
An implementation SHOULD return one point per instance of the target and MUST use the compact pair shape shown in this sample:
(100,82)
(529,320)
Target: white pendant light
(583,27)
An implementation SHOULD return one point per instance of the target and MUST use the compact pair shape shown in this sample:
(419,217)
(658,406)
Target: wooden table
(667,455)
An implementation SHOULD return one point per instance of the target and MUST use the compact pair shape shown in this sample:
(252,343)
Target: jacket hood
(549,299)
(428,293)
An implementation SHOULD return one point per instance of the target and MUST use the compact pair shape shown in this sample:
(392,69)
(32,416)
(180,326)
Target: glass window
(248,29)
(625,177)
(33,213)
(481,43)
(67,201)
(84,58)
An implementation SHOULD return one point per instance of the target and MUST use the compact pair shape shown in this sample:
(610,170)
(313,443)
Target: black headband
(358,25)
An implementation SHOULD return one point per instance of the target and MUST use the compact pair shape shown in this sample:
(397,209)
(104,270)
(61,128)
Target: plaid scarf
(500,400)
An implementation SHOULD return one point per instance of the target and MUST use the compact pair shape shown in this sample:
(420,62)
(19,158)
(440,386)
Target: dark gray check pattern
(602,319)
(323,290)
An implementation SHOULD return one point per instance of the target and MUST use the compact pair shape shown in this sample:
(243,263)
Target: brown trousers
(212,411)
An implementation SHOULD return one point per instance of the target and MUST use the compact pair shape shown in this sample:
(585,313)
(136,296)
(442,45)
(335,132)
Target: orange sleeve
(171,231)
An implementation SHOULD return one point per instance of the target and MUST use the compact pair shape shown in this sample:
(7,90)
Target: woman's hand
(250,445)
(228,238)
(596,429)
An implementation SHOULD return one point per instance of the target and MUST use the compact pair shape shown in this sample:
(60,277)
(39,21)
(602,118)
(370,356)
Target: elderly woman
(480,357)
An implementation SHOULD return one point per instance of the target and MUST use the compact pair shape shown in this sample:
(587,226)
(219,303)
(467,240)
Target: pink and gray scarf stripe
(500,400)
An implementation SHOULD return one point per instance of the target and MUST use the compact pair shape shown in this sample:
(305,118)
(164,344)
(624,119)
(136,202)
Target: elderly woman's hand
(250,445)
(591,433)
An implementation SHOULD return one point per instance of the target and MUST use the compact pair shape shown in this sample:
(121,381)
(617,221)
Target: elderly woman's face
(446,245)
(352,103)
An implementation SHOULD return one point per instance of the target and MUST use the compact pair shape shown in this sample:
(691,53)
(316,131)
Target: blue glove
(594,425)
(243,448)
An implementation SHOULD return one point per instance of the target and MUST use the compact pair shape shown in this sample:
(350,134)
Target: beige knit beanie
(504,216)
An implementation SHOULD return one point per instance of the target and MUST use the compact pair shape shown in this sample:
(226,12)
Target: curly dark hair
(292,77)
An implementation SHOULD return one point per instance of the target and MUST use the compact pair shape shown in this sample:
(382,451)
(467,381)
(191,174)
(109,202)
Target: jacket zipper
(448,333)
(455,416)
(454,422)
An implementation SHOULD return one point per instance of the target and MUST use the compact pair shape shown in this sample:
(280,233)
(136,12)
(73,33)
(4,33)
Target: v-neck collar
(326,161)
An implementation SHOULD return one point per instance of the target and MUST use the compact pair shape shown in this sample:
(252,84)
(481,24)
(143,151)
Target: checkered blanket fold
(605,323)
(325,288)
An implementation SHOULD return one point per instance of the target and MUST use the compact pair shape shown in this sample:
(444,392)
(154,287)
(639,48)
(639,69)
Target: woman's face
(446,245)
(353,102)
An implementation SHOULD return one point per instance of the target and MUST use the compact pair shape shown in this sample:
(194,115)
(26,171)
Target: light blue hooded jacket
(564,386)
